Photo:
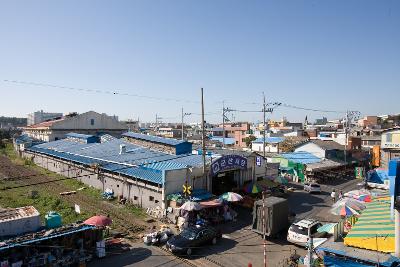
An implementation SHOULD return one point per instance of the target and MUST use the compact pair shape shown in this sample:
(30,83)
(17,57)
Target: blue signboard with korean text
(258,161)
(228,162)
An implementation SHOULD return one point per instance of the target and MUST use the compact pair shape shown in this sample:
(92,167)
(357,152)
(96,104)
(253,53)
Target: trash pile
(108,194)
(158,237)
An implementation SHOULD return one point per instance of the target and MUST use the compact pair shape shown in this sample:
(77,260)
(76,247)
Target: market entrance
(225,173)
(224,182)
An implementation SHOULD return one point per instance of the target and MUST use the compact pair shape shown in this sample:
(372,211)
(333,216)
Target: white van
(298,232)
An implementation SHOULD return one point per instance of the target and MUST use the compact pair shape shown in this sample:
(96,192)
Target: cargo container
(276,216)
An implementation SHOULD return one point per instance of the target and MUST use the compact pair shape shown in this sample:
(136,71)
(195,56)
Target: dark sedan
(191,238)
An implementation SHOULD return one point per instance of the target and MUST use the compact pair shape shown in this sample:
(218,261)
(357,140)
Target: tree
(249,139)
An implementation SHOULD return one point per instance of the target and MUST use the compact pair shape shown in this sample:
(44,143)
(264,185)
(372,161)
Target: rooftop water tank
(53,220)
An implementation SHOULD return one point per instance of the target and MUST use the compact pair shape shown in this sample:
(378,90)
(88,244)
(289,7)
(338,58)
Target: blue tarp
(377,176)
(337,262)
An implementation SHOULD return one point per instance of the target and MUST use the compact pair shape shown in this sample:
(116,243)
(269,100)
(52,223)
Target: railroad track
(195,262)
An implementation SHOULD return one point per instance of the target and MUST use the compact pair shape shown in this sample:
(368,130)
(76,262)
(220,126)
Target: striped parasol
(352,203)
(344,210)
(253,188)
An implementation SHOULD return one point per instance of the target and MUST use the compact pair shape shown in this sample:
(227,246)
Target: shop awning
(374,229)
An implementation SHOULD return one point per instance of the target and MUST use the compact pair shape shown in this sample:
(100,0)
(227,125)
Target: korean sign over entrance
(228,162)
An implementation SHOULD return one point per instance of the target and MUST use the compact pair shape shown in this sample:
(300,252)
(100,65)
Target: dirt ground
(15,173)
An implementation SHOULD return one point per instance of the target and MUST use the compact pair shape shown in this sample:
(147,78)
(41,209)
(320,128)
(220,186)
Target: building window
(151,198)
(117,185)
(389,138)
(135,198)
(91,121)
(156,201)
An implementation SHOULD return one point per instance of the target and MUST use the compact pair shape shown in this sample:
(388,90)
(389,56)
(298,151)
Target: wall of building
(40,116)
(136,191)
(258,147)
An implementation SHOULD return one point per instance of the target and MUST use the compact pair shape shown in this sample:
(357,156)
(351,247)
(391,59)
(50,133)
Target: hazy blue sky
(333,55)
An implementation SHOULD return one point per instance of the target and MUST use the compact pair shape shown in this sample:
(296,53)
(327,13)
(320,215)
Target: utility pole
(183,115)
(182,124)
(310,248)
(203,137)
(223,124)
(345,141)
(264,126)
(264,226)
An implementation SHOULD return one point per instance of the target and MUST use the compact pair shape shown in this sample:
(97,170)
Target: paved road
(239,245)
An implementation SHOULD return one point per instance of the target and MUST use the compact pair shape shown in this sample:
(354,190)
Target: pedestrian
(340,194)
(333,196)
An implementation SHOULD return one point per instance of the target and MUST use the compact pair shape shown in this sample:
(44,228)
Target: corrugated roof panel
(155,139)
(301,157)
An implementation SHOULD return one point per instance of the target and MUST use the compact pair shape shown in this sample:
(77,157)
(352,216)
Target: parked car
(312,188)
(299,232)
(192,237)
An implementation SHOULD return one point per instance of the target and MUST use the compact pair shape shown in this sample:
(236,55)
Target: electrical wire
(110,92)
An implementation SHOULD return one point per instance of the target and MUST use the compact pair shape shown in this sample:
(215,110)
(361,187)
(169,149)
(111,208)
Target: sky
(154,56)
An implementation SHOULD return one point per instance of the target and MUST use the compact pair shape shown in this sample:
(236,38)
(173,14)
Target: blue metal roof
(139,162)
(301,157)
(155,139)
(271,140)
(78,135)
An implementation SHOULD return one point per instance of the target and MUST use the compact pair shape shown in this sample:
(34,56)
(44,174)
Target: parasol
(99,220)
(231,197)
(191,205)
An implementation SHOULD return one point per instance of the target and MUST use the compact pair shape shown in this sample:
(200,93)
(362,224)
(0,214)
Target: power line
(110,92)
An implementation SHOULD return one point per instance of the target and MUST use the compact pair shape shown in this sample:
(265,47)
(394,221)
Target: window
(91,121)
(156,201)
(389,137)
(117,185)
(135,198)
(151,198)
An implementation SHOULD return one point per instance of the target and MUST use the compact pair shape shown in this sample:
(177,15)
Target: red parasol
(99,220)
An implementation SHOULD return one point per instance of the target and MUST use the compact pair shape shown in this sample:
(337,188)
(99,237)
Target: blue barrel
(53,220)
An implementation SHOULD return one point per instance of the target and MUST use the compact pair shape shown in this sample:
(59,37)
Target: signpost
(187,189)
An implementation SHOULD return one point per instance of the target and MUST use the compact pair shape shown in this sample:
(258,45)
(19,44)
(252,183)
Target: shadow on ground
(130,257)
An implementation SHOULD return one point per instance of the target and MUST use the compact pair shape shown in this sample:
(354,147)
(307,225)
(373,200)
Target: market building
(142,175)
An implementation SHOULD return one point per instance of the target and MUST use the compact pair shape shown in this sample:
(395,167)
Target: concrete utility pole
(203,137)
(264,126)
(345,141)
(183,115)
(264,226)
(223,123)
(310,248)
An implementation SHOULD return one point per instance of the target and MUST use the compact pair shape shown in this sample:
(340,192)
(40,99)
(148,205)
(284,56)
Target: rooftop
(137,161)
(80,136)
(270,140)
(301,157)
(328,145)
(154,139)
(45,124)
(12,214)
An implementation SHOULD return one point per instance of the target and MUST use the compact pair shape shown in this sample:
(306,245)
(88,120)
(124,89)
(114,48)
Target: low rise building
(390,146)
(40,116)
(91,123)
